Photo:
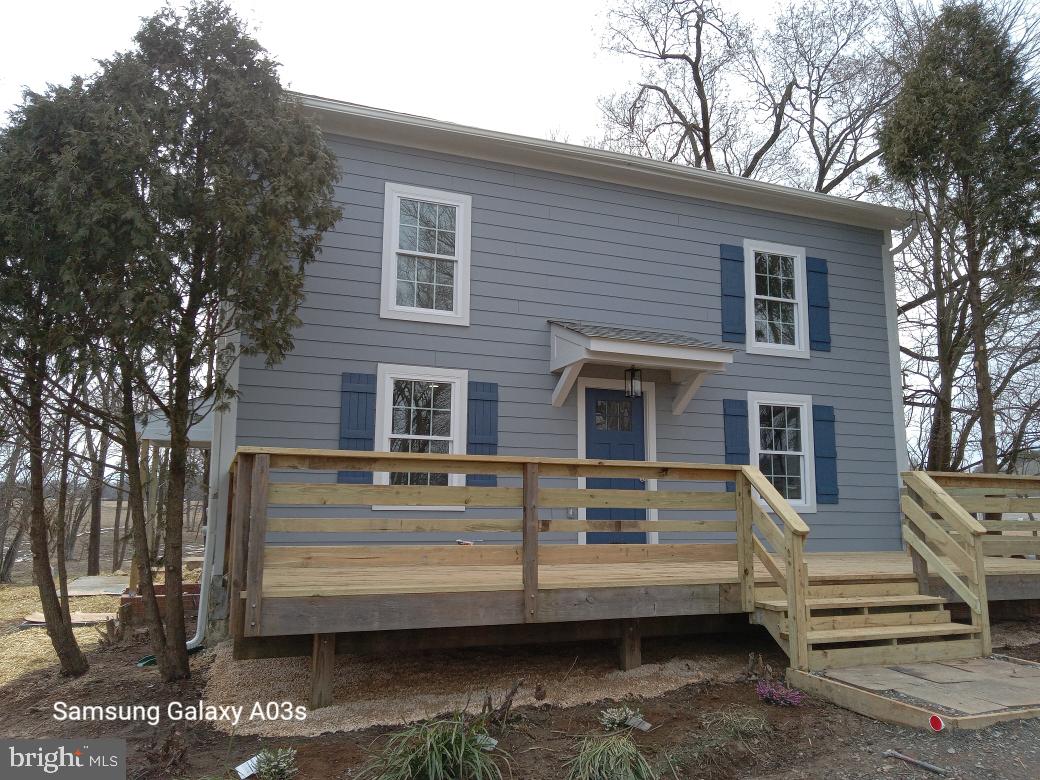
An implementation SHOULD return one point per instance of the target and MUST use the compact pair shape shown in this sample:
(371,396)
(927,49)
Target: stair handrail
(794,580)
(958,560)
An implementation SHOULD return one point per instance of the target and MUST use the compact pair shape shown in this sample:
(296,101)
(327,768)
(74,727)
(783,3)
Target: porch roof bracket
(689,384)
(565,383)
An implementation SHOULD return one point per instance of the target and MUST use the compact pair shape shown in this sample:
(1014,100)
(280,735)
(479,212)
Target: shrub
(454,748)
(609,757)
(617,718)
(279,764)
(779,694)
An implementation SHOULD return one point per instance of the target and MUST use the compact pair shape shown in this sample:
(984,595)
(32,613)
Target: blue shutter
(819,304)
(733,315)
(735,430)
(482,427)
(357,421)
(825,451)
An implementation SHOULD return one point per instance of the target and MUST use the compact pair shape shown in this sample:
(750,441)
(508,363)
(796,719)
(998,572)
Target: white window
(777,311)
(420,410)
(426,237)
(781,434)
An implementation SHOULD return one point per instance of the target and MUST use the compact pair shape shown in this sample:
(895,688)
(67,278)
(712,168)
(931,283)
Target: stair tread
(838,602)
(889,632)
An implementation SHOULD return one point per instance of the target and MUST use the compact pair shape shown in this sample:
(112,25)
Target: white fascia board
(350,119)
(643,351)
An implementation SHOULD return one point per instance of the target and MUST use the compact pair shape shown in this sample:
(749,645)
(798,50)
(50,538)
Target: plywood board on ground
(967,693)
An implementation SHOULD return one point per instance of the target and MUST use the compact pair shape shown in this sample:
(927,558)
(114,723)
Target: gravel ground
(1006,751)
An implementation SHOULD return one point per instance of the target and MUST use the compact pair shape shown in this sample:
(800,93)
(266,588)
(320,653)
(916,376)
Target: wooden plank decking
(375,580)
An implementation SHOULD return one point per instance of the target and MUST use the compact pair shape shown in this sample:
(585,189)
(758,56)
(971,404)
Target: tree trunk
(97,486)
(11,555)
(118,544)
(59,528)
(177,473)
(136,512)
(980,347)
(71,658)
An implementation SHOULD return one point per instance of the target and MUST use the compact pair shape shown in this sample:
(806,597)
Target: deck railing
(945,540)
(992,498)
(536,496)
(787,540)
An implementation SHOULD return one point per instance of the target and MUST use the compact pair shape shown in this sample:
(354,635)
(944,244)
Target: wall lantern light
(633,383)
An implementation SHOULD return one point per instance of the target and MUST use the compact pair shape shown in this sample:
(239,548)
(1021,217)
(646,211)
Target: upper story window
(426,237)
(782,445)
(775,295)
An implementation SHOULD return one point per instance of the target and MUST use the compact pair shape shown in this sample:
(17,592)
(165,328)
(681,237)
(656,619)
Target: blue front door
(614,431)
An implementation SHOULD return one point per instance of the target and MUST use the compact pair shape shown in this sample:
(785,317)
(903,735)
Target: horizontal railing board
(1001,504)
(953,479)
(346,525)
(622,526)
(294,494)
(338,556)
(1011,545)
(635,499)
(346,460)
(342,525)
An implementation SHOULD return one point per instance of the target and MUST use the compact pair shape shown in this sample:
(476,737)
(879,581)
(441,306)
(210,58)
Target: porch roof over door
(689,360)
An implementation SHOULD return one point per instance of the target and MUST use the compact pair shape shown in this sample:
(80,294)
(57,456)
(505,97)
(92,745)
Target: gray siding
(550,246)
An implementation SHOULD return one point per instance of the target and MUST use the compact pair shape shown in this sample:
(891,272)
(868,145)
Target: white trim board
(808,504)
(386,373)
(649,434)
(801,347)
(388,307)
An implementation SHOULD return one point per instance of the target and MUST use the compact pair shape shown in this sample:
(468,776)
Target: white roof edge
(351,119)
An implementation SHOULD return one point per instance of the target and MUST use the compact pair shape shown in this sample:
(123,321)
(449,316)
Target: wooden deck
(287,581)
(825,610)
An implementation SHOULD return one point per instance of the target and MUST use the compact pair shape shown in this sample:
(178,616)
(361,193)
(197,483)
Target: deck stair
(854,623)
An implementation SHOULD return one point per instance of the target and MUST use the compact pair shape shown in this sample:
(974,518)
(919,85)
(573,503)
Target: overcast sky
(535,67)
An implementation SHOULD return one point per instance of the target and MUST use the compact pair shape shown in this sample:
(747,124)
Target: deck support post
(323,656)
(630,645)
(239,545)
(530,543)
(257,521)
(745,542)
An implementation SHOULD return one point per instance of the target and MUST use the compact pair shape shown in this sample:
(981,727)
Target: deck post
(239,544)
(323,656)
(980,619)
(630,645)
(530,543)
(745,542)
(797,596)
(257,538)
(917,561)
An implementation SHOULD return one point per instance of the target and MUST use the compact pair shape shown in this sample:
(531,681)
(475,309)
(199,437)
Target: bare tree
(797,104)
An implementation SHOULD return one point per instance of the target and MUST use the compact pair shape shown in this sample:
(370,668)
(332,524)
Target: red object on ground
(936,723)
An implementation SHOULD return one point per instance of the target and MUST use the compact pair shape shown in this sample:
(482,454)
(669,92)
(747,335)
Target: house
(486,293)
(542,392)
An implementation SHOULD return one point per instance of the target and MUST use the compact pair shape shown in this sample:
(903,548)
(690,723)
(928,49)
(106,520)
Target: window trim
(805,403)
(386,373)
(801,347)
(388,307)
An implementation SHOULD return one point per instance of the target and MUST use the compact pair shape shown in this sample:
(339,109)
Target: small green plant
(618,718)
(277,764)
(453,748)
(613,756)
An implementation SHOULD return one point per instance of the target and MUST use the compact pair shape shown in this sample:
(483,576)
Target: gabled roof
(671,338)
(376,124)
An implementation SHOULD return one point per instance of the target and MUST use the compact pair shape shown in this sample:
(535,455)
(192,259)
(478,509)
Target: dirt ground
(816,740)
